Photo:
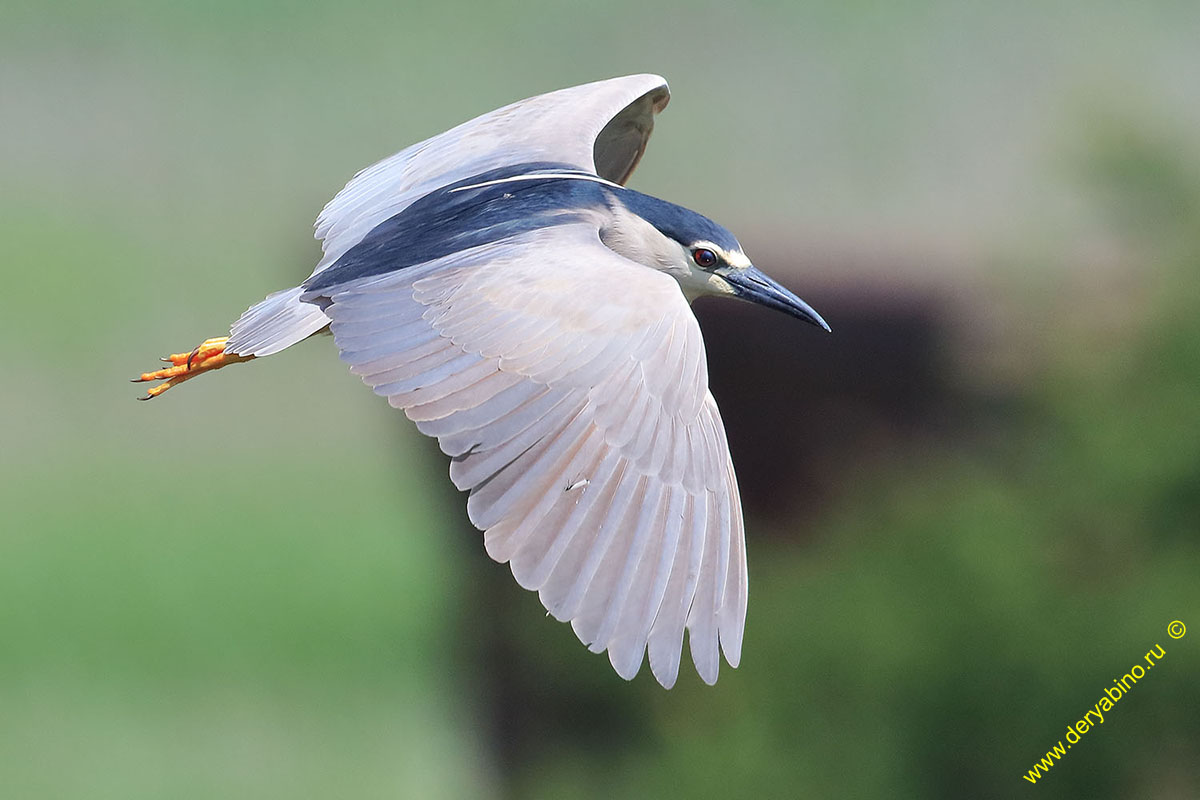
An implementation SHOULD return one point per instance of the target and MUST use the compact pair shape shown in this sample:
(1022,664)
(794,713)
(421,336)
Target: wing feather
(425,371)
(666,635)
(650,526)
(701,617)
(602,568)
(464,393)
(516,393)
(537,468)
(467,389)
(584,503)
(569,512)
(578,417)
(569,582)
(627,647)
(732,617)
(523,428)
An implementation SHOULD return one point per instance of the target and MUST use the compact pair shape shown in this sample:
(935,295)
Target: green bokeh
(259,586)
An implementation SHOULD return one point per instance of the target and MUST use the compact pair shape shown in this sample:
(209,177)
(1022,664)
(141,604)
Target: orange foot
(208,356)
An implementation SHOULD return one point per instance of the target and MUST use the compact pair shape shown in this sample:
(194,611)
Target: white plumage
(548,343)
(532,391)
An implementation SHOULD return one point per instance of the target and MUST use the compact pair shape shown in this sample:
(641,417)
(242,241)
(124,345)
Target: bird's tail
(274,324)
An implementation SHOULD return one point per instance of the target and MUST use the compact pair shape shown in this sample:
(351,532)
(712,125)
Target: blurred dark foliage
(927,625)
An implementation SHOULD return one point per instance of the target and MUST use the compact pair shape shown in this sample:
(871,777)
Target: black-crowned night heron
(499,284)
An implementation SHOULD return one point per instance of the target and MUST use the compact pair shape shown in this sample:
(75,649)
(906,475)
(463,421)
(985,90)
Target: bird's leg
(208,356)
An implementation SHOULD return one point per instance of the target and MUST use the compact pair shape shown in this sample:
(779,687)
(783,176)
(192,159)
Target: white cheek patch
(718,285)
(697,282)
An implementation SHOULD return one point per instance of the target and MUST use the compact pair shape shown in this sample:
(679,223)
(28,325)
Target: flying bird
(500,284)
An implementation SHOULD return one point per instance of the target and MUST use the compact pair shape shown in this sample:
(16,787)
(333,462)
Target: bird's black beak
(754,285)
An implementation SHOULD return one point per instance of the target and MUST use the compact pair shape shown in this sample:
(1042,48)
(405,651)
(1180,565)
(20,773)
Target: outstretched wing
(569,387)
(610,119)
(600,127)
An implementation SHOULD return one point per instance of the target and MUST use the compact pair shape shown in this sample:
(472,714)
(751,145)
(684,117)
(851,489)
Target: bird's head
(704,257)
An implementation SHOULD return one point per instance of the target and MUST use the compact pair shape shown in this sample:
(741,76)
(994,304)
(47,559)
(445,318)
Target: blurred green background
(969,510)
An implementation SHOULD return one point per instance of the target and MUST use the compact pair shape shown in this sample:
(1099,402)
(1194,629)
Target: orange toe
(208,356)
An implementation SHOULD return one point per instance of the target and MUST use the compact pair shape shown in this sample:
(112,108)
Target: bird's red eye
(704,257)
